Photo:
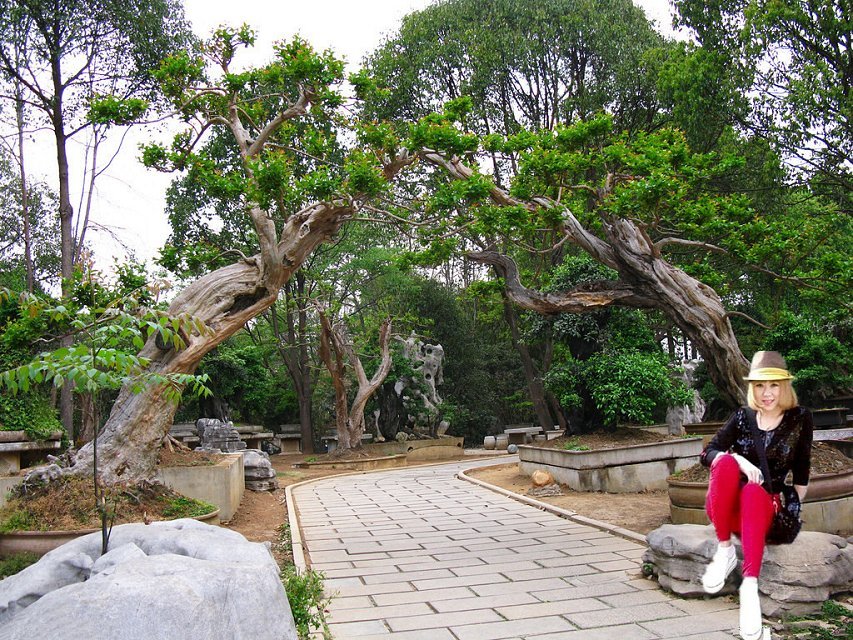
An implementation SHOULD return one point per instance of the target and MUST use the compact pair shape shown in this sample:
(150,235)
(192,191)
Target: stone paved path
(418,554)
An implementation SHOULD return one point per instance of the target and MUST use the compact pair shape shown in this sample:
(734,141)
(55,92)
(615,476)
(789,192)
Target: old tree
(273,114)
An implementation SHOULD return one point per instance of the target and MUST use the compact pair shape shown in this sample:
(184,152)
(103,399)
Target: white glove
(752,473)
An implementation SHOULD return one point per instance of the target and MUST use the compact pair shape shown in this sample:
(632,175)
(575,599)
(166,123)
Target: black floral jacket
(788,446)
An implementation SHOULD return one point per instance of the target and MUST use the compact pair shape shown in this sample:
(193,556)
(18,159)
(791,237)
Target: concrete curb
(633,536)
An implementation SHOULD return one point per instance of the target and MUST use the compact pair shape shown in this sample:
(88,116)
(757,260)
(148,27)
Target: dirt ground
(262,513)
(639,512)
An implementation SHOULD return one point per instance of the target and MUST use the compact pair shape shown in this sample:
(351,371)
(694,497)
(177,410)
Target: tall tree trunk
(25,209)
(534,381)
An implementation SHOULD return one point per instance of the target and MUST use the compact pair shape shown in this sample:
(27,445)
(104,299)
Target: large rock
(160,581)
(258,471)
(795,579)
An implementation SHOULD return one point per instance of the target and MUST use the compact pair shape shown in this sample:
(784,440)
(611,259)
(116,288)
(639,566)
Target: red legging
(747,511)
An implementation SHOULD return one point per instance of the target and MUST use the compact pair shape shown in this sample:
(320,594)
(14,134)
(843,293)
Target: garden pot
(828,506)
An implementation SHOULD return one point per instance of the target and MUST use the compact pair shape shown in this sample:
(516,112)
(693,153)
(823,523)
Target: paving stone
(485,602)
(531,586)
(378,613)
(450,620)
(610,617)
(409,576)
(622,632)
(587,591)
(511,629)
(424,634)
(433,596)
(726,621)
(544,609)
(355,629)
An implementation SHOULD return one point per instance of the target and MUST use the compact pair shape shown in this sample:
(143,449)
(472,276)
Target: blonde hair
(787,395)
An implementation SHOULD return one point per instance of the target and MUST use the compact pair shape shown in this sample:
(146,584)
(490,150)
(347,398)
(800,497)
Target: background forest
(568,202)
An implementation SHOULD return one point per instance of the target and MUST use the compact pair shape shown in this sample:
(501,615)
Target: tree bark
(335,351)
(225,300)
(534,380)
(646,281)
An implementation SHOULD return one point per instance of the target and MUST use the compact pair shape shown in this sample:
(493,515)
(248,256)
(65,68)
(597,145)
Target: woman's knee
(725,466)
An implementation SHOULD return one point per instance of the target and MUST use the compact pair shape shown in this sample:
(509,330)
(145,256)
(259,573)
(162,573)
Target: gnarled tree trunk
(335,351)
(646,281)
(225,299)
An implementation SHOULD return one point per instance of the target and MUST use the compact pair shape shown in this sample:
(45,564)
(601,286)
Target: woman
(737,502)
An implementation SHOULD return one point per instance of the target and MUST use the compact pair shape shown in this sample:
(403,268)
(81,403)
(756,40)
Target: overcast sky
(129,199)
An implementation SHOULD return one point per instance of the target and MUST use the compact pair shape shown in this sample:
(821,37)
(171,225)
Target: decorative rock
(258,471)
(218,436)
(489,442)
(541,478)
(151,584)
(512,448)
(548,491)
(795,579)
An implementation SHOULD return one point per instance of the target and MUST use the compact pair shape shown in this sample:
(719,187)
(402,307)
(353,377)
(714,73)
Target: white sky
(129,199)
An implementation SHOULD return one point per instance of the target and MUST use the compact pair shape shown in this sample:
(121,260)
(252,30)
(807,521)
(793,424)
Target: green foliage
(105,357)
(307,600)
(31,413)
(818,354)
(111,110)
(631,386)
(183,507)
(574,444)
(17,520)
(16,562)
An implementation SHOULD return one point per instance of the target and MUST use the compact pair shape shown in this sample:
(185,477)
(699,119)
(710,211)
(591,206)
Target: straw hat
(766,366)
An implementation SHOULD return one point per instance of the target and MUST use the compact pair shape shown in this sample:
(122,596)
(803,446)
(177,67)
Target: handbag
(786,522)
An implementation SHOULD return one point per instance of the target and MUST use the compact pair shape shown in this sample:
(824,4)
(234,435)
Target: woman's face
(767,395)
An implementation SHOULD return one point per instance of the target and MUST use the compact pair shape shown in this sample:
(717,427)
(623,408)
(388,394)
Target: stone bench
(795,578)
(521,435)
(14,444)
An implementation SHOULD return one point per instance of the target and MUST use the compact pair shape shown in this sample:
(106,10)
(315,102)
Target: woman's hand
(752,473)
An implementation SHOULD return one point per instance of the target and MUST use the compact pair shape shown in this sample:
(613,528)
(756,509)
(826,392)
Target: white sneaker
(750,612)
(722,564)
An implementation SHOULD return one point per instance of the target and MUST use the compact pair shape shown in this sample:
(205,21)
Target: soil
(68,504)
(606,440)
(825,459)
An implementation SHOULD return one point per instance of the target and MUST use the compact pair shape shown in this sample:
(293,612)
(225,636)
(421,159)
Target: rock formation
(164,580)
(258,471)
(795,579)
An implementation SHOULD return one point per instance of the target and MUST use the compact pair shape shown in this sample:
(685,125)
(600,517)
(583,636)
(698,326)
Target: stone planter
(221,484)
(360,464)
(830,418)
(17,449)
(705,429)
(628,469)
(420,450)
(40,542)
(828,506)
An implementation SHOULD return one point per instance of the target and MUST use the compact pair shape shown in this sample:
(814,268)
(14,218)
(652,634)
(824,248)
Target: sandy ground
(639,512)
(262,513)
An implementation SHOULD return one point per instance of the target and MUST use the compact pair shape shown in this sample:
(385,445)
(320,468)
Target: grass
(832,623)
(16,562)
(183,507)
(573,444)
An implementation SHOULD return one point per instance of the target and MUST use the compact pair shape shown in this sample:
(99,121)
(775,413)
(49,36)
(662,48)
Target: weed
(307,600)
(311,459)
(18,520)
(16,562)
(573,444)
(183,507)
(834,622)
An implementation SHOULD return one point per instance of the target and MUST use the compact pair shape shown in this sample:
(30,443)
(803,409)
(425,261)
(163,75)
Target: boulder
(541,478)
(162,580)
(795,579)
(258,471)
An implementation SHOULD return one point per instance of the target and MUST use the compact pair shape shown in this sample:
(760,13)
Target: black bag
(786,522)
